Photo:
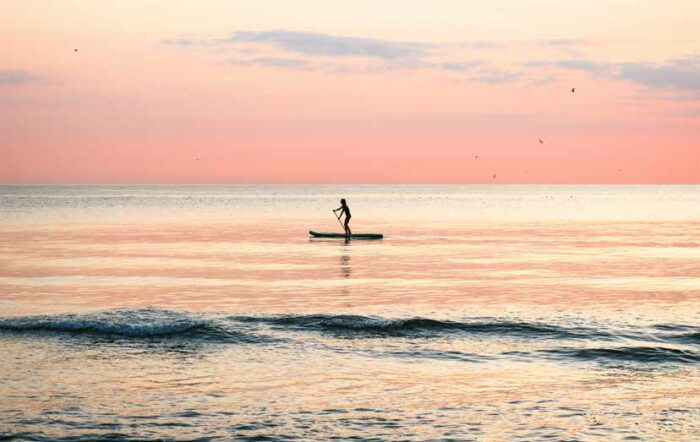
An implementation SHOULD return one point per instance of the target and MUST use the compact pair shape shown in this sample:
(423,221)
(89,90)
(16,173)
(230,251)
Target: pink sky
(288,91)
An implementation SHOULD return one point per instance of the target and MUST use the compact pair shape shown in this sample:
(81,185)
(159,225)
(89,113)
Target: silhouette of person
(344,209)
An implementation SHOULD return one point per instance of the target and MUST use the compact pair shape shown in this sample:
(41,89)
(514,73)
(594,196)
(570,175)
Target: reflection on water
(345,268)
(488,313)
(346,271)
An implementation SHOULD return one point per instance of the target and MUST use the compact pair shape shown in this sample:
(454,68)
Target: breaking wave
(658,344)
(363,326)
(131,323)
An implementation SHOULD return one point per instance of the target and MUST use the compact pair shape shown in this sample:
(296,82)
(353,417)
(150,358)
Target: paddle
(338,218)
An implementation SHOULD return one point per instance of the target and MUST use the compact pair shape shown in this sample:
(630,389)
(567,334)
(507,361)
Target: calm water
(486,313)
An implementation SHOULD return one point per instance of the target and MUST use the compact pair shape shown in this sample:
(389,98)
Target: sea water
(486,313)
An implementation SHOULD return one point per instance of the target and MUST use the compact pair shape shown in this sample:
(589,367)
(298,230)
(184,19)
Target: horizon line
(345,184)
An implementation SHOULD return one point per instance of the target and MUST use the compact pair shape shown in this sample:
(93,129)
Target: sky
(362,91)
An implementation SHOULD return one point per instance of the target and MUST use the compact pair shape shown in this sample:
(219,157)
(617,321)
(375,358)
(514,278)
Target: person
(346,210)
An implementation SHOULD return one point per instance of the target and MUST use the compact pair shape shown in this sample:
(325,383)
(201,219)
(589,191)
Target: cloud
(680,74)
(488,44)
(561,42)
(692,113)
(574,64)
(313,43)
(460,66)
(333,54)
(495,76)
(276,62)
(13,78)
(316,43)
(187,42)
(484,75)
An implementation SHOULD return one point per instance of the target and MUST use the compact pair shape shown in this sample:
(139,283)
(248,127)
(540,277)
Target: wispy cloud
(681,74)
(460,66)
(188,42)
(14,77)
(686,113)
(591,67)
(331,53)
(318,44)
(495,76)
(558,43)
(275,62)
(485,44)
(313,43)
(561,42)
(473,66)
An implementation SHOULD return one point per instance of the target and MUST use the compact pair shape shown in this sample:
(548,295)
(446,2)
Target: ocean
(487,312)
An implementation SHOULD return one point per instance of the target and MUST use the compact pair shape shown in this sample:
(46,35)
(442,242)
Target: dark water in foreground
(486,313)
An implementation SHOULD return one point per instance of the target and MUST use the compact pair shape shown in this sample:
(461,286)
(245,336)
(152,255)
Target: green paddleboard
(344,235)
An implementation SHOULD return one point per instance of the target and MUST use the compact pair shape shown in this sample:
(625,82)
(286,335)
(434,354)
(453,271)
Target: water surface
(486,313)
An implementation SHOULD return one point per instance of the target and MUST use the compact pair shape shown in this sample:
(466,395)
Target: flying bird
(494,176)
(541,142)
(476,157)
(75,50)
(573,89)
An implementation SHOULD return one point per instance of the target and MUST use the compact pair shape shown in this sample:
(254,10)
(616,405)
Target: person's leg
(347,226)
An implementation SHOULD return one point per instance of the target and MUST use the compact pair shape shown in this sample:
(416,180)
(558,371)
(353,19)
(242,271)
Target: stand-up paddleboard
(345,235)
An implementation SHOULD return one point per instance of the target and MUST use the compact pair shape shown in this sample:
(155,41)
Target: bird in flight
(573,89)
(494,176)
(75,50)
(541,142)
(476,157)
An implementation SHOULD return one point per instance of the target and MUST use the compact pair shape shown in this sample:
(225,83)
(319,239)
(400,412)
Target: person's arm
(339,208)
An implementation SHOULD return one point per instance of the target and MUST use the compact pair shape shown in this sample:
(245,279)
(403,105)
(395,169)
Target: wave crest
(128,322)
(629,354)
(355,325)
